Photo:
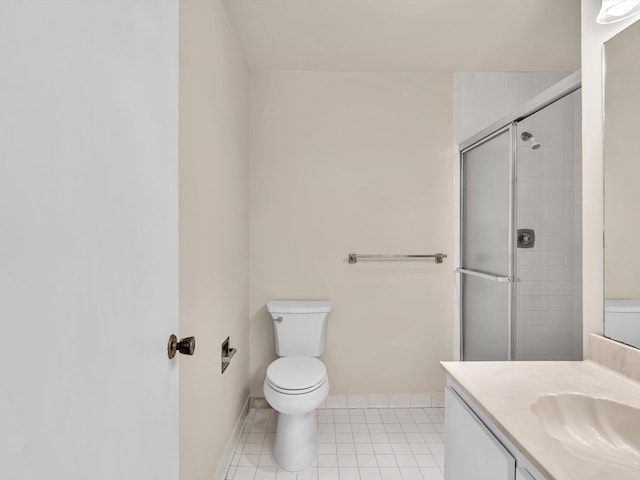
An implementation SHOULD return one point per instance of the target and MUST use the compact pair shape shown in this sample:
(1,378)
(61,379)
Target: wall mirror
(622,186)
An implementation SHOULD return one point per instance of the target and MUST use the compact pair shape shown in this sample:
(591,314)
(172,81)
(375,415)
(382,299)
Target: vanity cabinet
(522,474)
(473,450)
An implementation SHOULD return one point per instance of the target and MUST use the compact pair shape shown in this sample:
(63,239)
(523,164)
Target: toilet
(297,383)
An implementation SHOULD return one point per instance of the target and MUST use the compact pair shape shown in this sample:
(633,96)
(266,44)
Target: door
(548,323)
(486,247)
(88,242)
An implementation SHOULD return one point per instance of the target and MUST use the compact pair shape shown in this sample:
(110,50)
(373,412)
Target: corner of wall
(214,235)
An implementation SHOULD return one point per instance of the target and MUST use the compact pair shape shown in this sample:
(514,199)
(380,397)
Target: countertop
(505,392)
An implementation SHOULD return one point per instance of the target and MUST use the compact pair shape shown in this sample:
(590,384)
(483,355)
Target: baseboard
(373,400)
(225,461)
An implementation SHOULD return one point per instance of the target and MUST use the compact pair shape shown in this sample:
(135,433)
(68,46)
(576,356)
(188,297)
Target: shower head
(527,137)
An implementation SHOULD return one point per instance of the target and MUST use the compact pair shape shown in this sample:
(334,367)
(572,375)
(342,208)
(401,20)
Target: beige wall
(593,36)
(214,233)
(355,162)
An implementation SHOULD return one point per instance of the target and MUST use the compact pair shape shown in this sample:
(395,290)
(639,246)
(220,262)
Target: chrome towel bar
(354,257)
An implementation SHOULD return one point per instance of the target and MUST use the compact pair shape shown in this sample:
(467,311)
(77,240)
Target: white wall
(214,233)
(355,162)
(593,36)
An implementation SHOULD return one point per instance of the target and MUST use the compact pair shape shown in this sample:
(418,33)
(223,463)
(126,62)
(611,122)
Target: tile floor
(353,444)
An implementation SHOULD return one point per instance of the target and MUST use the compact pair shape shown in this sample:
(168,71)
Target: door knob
(186,346)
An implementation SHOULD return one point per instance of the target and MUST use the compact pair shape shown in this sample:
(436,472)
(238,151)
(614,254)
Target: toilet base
(296,443)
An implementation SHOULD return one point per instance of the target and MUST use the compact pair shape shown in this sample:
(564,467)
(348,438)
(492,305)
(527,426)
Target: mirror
(622,187)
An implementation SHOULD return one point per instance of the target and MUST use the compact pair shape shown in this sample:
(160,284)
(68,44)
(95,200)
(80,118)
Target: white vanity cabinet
(522,474)
(473,450)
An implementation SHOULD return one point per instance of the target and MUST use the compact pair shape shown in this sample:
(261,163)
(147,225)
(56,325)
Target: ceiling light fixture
(616,10)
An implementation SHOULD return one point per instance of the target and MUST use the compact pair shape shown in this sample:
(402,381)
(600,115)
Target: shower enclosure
(520,233)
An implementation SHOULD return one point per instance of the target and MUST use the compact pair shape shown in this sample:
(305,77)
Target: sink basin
(592,428)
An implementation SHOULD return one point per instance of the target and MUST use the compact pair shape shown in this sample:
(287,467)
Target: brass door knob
(186,346)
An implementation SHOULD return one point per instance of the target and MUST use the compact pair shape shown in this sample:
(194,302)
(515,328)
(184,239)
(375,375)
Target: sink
(592,428)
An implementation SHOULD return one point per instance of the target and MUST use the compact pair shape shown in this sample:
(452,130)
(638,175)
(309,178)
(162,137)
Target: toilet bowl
(295,387)
(297,383)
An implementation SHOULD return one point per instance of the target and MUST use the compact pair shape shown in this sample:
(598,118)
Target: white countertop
(505,392)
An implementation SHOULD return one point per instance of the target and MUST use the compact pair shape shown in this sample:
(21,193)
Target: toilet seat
(296,392)
(296,375)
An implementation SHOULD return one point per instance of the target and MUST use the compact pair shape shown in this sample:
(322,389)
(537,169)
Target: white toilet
(297,383)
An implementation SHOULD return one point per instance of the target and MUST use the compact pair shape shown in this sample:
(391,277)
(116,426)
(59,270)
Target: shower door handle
(486,276)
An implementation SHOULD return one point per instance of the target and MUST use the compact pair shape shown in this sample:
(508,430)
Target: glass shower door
(487,248)
(548,320)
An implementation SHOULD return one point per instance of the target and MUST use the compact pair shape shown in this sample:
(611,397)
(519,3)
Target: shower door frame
(510,278)
(560,90)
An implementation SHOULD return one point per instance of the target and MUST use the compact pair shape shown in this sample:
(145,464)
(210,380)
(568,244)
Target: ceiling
(408,35)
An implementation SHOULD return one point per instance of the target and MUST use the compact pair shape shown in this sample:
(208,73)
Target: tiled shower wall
(550,304)
(484,97)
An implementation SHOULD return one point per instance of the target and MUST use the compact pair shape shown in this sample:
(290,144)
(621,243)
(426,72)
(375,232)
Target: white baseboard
(225,461)
(384,400)
(373,400)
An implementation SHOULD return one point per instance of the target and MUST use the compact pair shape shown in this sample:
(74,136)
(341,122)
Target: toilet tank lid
(299,306)
(626,306)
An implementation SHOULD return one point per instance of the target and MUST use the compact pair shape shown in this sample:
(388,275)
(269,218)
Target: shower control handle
(526,238)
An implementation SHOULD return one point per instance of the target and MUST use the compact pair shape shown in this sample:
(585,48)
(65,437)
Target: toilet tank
(622,321)
(299,326)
